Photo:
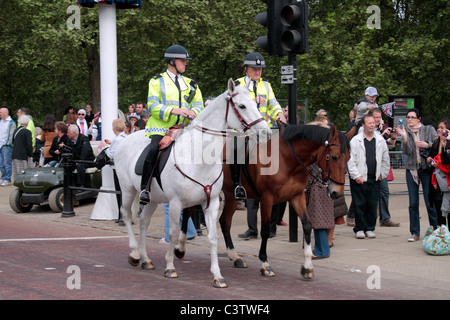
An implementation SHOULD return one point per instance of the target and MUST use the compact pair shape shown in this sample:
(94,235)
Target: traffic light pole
(292,118)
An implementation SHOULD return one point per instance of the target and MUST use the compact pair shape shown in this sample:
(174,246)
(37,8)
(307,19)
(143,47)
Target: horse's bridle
(326,153)
(326,178)
(244,123)
(227,133)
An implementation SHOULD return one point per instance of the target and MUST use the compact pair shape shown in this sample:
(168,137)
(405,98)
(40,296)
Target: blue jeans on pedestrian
(385,215)
(6,163)
(413,191)
(191,231)
(321,244)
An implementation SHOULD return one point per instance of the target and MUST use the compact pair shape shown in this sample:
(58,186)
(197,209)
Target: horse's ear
(351,133)
(231,85)
(333,130)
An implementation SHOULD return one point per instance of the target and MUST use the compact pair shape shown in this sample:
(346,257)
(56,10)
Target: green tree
(46,66)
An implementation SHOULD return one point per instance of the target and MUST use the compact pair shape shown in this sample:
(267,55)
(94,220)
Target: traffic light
(294,18)
(272,21)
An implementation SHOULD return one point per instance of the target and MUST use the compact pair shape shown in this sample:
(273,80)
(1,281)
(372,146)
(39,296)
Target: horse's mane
(211,106)
(208,109)
(314,133)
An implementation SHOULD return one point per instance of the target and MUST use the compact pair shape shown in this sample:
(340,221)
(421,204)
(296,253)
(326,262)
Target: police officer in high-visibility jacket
(260,91)
(171,98)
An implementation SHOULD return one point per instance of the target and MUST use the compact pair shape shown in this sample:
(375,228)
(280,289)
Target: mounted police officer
(260,91)
(171,98)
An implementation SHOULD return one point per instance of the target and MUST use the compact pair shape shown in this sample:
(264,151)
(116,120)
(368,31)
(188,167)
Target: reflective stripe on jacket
(271,108)
(163,97)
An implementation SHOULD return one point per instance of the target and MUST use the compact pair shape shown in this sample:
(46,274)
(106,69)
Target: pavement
(389,253)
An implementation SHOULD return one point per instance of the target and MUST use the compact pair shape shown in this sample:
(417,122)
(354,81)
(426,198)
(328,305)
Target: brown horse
(299,147)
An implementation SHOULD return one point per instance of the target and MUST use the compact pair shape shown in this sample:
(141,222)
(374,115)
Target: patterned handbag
(437,242)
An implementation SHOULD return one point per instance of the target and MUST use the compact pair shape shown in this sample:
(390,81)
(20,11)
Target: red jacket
(445,168)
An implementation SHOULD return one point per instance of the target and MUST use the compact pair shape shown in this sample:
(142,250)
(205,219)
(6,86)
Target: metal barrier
(68,187)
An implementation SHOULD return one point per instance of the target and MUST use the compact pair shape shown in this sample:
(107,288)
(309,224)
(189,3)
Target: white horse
(193,169)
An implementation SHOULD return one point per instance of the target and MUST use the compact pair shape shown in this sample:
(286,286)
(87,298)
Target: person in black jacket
(60,140)
(22,153)
(81,148)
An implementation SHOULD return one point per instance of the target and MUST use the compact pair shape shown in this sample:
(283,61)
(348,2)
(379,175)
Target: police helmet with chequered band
(255,60)
(176,52)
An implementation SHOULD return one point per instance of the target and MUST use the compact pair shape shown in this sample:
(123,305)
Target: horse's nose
(334,195)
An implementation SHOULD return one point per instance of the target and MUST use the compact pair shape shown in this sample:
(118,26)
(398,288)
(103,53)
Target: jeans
(413,192)
(384,201)
(321,245)
(191,231)
(6,163)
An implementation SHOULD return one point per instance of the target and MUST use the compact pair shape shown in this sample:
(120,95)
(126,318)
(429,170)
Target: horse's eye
(242,107)
(334,157)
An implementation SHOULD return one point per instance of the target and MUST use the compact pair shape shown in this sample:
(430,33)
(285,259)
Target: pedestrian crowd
(43,145)
(172,98)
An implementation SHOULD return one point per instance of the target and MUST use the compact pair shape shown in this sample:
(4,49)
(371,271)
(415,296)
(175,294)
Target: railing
(68,187)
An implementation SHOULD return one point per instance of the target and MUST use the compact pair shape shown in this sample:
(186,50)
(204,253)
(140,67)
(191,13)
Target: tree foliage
(46,66)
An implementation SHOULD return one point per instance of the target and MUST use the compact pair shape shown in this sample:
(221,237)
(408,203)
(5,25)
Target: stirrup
(240,193)
(144,197)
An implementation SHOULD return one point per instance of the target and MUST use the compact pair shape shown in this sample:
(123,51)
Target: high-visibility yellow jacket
(271,108)
(164,96)
(32,128)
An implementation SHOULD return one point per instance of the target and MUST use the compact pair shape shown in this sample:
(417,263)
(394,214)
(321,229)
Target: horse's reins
(326,152)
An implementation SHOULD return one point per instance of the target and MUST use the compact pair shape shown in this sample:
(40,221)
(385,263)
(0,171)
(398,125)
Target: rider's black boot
(144,196)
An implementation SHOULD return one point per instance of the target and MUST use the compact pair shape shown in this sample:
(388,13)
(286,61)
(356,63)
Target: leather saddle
(160,162)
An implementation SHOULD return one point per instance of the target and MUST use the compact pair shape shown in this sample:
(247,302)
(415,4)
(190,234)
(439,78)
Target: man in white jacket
(369,163)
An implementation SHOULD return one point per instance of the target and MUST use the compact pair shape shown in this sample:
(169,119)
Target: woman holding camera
(417,140)
(439,159)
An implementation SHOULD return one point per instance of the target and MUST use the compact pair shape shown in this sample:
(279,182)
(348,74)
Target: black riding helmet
(255,60)
(175,52)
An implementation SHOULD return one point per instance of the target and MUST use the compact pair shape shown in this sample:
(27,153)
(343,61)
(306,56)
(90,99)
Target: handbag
(390,176)
(102,159)
(437,242)
(340,207)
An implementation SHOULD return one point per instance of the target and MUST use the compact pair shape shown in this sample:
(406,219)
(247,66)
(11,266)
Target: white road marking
(62,239)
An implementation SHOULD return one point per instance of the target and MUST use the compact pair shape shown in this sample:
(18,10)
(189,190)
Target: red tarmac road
(38,259)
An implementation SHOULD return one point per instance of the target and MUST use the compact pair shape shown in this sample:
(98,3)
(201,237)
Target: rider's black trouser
(238,161)
(150,160)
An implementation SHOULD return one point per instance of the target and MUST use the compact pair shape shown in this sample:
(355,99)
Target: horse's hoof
(307,273)
(267,271)
(240,263)
(147,265)
(133,261)
(170,273)
(220,283)
(179,254)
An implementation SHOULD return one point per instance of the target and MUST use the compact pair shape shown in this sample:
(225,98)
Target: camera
(445,133)
(393,130)
(424,153)
(67,149)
